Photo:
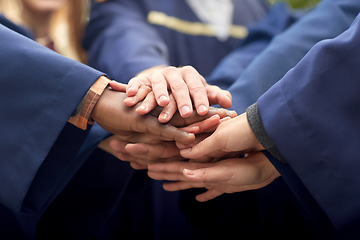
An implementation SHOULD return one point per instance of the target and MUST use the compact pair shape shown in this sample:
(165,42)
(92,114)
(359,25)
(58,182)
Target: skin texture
(186,87)
(226,176)
(114,116)
(145,148)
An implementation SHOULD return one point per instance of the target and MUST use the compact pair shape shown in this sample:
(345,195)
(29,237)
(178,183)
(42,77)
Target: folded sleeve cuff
(81,116)
(257,126)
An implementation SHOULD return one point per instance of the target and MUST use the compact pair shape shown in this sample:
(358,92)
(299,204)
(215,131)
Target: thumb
(205,147)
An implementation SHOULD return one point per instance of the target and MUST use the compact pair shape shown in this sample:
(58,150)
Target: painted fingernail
(202,108)
(185,110)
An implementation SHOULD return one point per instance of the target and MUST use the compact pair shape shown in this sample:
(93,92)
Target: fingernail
(189,172)
(128,89)
(193,129)
(162,98)
(164,116)
(185,110)
(184,151)
(202,108)
(131,99)
(141,108)
(214,116)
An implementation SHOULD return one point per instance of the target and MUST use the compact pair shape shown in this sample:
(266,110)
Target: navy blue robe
(39,90)
(247,76)
(121,42)
(312,115)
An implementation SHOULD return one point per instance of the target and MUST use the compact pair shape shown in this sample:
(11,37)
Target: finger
(166,176)
(176,186)
(144,138)
(180,90)
(218,96)
(199,138)
(135,83)
(104,145)
(195,83)
(201,149)
(138,166)
(160,88)
(117,145)
(151,125)
(215,173)
(176,167)
(224,99)
(225,119)
(179,121)
(208,125)
(208,195)
(141,94)
(168,111)
(162,150)
(147,105)
(118,86)
(127,157)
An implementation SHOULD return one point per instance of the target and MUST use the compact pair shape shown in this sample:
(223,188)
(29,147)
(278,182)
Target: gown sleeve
(278,19)
(312,115)
(329,19)
(39,91)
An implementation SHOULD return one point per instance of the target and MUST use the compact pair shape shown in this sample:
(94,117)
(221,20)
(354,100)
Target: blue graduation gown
(327,20)
(40,90)
(121,42)
(247,76)
(80,174)
(312,115)
(147,211)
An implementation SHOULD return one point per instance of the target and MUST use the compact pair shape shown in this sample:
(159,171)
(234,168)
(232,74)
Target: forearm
(40,89)
(312,116)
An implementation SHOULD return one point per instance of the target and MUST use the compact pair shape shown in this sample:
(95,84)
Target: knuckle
(189,68)
(170,70)
(197,89)
(178,86)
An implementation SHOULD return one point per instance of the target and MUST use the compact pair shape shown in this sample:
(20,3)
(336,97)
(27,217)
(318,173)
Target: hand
(141,149)
(234,135)
(185,83)
(227,176)
(113,115)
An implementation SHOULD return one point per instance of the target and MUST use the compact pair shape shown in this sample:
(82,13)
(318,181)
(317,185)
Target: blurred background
(298,3)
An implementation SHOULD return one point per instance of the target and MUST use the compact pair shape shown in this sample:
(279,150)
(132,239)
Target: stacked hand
(225,176)
(185,84)
(224,157)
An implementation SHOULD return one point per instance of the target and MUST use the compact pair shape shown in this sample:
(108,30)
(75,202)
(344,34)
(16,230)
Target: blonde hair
(66,28)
